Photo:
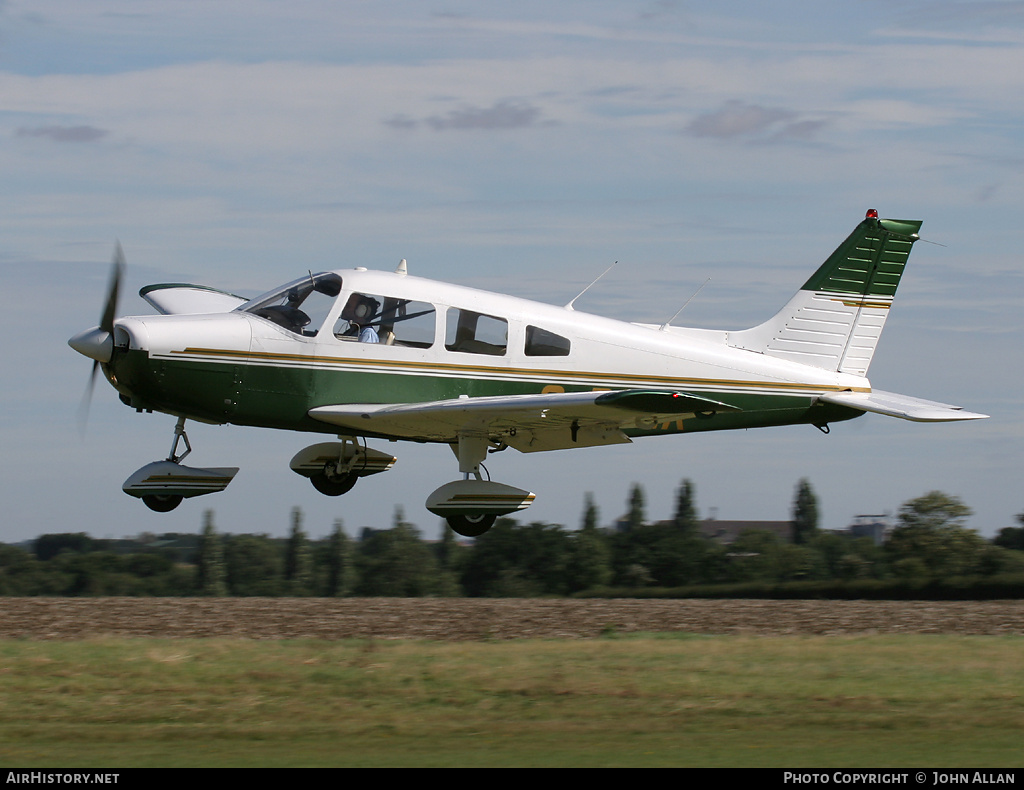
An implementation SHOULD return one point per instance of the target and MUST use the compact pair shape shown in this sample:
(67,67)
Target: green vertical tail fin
(835,320)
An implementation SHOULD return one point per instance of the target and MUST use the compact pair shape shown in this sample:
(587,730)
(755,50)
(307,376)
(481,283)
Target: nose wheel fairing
(164,482)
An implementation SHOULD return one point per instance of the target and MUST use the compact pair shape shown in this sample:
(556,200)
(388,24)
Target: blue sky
(521,148)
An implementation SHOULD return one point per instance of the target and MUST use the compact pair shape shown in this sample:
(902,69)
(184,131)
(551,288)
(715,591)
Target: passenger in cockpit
(368,335)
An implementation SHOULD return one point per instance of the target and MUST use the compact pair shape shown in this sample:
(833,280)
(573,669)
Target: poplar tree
(589,513)
(635,518)
(340,564)
(805,513)
(298,564)
(686,508)
(589,555)
(212,576)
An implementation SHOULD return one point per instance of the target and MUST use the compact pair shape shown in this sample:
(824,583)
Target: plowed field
(476,619)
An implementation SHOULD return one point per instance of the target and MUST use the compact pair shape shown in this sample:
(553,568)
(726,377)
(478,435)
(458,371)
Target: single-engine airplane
(385,355)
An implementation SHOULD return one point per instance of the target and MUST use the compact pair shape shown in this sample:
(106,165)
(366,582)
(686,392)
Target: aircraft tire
(471,526)
(162,503)
(334,486)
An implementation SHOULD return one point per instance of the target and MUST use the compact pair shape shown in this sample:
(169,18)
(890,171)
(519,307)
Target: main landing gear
(334,467)
(162,485)
(472,505)
(330,483)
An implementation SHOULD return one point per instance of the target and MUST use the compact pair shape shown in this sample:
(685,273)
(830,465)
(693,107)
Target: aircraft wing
(530,423)
(902,406)
(185,299)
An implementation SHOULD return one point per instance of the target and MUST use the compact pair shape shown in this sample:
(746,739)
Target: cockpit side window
(476,333)
(301,306)
(372,318)
(542,343)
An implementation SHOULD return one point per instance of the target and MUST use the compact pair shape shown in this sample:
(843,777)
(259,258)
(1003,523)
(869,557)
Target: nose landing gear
(162,485)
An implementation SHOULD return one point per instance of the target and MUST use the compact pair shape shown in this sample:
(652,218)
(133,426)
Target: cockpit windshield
(301,306)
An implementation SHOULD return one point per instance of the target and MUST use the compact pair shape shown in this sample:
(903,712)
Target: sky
(520,148)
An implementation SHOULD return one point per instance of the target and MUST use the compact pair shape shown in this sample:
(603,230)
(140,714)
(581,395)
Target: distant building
(876,527)
(726,532)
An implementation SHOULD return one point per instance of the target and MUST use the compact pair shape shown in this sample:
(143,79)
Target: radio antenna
(602,274)
(673,318)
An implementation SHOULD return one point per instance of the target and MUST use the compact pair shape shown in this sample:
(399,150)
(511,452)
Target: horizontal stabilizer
(902,406)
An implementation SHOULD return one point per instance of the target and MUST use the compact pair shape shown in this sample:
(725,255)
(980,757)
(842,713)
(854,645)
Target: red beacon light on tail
(872,214)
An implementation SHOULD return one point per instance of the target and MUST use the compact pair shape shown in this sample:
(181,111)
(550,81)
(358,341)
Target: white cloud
(501,115)
(738,120)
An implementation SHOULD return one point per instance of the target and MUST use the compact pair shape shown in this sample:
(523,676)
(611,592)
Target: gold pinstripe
(443,368)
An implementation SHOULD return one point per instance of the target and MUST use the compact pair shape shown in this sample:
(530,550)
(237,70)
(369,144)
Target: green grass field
(648,700)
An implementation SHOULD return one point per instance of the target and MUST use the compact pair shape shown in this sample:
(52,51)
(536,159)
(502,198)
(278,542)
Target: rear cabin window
(542,343)
(475,333)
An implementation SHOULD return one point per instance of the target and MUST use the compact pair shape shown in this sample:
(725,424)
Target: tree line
(928,544)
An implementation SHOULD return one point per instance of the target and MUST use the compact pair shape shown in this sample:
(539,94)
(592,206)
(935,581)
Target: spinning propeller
(98,343)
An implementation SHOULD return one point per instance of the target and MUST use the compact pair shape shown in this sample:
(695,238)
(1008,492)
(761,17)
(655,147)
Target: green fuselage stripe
(250,389)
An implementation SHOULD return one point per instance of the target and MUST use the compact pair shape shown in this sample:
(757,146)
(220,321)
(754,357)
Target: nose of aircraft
(95,343)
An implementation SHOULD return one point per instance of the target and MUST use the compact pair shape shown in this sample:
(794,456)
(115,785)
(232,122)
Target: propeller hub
(95,343)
